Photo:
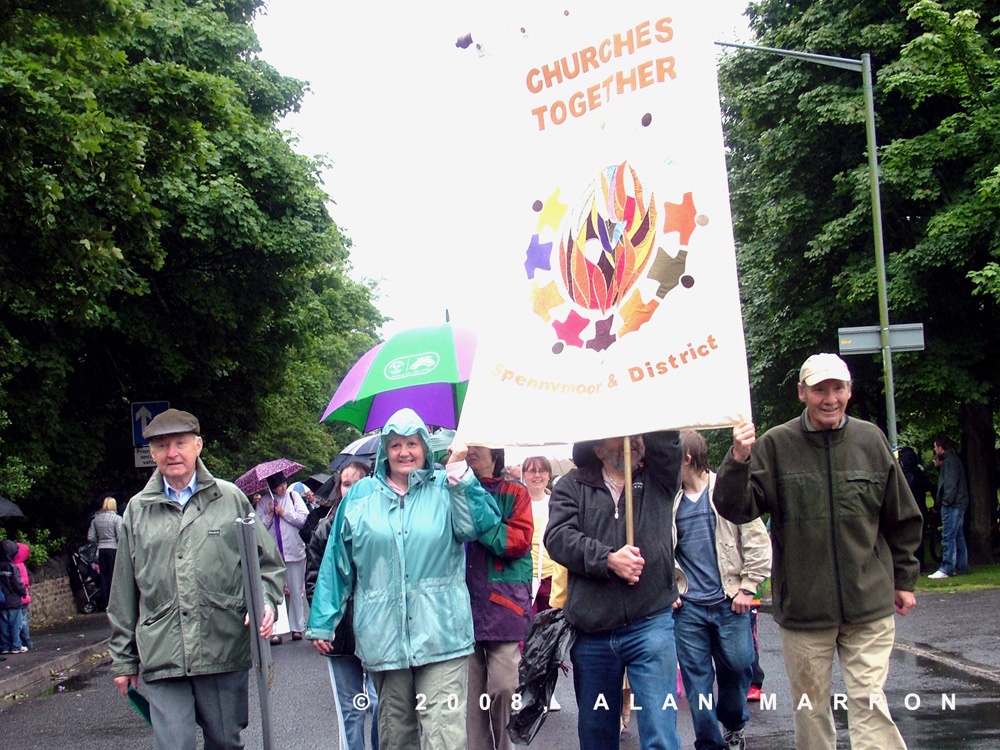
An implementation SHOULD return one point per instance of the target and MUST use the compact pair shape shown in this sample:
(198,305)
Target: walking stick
(260,647)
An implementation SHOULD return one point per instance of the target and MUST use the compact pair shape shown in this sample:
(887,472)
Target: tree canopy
(160,240)
(802,207)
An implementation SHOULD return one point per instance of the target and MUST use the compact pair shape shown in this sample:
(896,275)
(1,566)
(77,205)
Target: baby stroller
(85,579)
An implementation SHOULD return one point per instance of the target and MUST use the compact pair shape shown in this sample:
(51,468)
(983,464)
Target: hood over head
(404,422)
(23,551)
(7,550)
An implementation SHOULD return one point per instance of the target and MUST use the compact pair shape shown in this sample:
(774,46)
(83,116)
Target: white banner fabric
(606,246)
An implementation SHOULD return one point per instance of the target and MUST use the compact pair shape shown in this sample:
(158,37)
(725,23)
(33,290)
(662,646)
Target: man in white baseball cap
(845,529)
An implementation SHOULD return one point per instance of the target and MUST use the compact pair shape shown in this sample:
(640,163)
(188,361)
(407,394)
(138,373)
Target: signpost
(864,67)
(903,337)
(142,414)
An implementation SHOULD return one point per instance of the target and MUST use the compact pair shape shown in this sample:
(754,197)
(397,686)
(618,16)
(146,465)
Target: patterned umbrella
(255,480)
(426,369)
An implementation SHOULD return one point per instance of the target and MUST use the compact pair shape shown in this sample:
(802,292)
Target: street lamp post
(863,66)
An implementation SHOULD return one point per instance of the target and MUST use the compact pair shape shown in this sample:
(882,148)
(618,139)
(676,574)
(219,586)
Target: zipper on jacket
(833,524)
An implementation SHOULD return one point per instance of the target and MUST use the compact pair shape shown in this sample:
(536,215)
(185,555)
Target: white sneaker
(938,574)
(554,705)
(734,740)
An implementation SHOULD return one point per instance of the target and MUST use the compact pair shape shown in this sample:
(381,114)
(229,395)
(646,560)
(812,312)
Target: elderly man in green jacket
(177,608)
(844,530)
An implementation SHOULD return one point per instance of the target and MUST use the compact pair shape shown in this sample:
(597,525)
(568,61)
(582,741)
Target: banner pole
(629,530)
(260,647)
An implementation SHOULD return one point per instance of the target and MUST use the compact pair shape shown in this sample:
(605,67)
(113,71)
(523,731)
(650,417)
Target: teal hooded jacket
(403,559)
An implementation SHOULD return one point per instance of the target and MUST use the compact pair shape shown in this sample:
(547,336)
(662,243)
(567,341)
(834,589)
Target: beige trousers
(423,708)
(864,663)
(492,682)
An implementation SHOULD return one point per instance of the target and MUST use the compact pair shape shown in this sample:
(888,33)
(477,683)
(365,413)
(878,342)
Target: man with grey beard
(620,595)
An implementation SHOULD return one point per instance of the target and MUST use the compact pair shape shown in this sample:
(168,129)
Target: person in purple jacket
(498,573)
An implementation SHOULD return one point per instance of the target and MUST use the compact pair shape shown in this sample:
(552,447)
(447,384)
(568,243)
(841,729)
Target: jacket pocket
(859,493)
(503,601)
(224,639)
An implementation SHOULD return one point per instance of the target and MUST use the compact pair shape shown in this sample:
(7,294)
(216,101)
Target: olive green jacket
(844,526)
(177,600)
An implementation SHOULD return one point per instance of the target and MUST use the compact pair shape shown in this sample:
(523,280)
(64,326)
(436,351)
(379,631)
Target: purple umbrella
(426,369)
(255,480)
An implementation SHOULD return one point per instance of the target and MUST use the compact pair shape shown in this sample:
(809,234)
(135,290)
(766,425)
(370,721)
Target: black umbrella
(546,646)
(325,491)
(362,449)
(9,509)
(315,481)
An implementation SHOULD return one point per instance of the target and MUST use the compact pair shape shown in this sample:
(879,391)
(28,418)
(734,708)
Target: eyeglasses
(535,471)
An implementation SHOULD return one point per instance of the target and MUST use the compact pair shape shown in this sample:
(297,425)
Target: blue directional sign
(142,414)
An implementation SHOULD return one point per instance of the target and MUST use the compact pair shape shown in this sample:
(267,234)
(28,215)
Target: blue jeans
(25,630)
(714,643)
(352,690)
(10,629)
(646,648)
(954,554)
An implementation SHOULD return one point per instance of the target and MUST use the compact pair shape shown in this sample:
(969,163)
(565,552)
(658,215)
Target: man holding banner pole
(620,594)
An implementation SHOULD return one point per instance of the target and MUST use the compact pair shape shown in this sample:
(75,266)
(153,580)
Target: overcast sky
(375,72)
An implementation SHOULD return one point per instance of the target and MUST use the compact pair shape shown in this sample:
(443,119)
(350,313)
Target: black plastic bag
(546,647)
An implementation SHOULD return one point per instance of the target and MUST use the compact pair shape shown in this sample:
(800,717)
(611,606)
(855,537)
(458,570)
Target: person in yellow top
(536,473)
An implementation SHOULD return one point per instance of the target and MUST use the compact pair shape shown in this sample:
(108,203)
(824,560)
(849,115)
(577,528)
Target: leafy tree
(160,241)
(803,211)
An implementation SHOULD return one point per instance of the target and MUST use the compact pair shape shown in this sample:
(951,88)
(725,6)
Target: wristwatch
(748,592)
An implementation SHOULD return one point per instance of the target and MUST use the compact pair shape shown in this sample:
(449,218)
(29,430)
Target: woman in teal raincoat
(397,545)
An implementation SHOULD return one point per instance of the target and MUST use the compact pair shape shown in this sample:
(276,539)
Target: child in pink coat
(20,558)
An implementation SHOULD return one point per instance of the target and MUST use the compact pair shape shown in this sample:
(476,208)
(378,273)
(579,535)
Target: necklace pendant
(616,513)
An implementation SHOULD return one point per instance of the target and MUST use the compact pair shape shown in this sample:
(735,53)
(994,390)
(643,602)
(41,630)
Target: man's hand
(124,683)
(324,647)
(905,601)
(266,623)
(626,563)
(278,509)
(744,436)
(742,602)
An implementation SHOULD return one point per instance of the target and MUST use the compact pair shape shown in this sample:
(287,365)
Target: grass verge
(978,577)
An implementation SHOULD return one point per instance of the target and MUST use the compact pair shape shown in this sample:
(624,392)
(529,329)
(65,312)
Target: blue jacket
(404,560)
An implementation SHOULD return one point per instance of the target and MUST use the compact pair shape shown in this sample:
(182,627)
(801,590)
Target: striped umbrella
(426,369)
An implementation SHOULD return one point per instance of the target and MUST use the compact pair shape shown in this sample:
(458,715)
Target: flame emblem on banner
(616,229)
(599,254)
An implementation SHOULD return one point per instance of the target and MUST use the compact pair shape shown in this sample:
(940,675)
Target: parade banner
(608,226)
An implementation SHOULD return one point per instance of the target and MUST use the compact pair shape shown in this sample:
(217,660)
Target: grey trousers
(492,684)
(218,703)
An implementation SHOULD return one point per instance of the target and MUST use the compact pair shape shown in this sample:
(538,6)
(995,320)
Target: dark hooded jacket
(583,530)
(11,584)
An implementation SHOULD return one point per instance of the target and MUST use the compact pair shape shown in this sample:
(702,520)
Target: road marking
(929,652)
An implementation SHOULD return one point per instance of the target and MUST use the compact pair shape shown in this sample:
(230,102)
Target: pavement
(957,630)
(60,651)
